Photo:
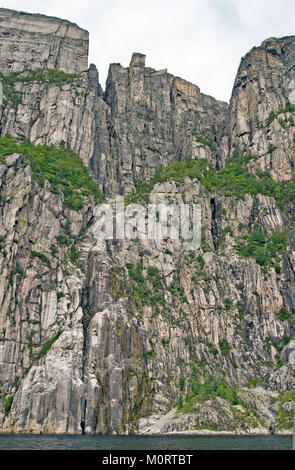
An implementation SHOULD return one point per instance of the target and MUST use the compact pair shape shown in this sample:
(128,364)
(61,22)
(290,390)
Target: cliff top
(270,43)
(31,41)
(35,22)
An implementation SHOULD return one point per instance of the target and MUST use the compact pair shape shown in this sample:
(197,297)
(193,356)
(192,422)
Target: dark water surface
(168,442)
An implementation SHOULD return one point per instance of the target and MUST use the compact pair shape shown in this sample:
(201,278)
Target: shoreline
(207,432)
(204,432)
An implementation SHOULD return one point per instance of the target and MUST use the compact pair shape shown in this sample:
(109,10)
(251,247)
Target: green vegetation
(209,426)
(209,390)
(252,383)
(7,405)
(240,309)
(249,415)
(150,354)
(142,294)
(41,256)
(285,418)
(213,350)
(284,314)
(48,76)
(10,95)
(46,346)
(227,304)
(285,193)
(61,167)
(56,77)
(224,347)
(140,290)
(181,383)
(177,171)
(234,179)
(74,254)
(265,250)
(201,261)
(176,288)
(277,344)
(263,47)
(63,240)
(204,142)
(274,114)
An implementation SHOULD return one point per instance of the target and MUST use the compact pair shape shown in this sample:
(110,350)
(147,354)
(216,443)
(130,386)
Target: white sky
(199,40)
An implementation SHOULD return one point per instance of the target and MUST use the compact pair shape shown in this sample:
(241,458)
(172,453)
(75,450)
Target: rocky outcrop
(30,42)
(262,107)
(155,119)
(140,335)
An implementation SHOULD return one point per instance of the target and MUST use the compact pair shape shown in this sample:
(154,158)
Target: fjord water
(167,442)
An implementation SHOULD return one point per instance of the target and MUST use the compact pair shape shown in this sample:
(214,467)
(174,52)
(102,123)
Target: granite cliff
(141,336)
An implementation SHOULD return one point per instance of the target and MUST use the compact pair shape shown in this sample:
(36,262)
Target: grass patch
(63,240)
(248,416)
(284,314)
(49,76)
(285,418)
(46,346)
(209,390)
(209,427)
(274,114)
(63,169)
(234,179)
(41,256)
(142,293)
(252,383)
(227,304)
(224,347)
(204,142)
(265,250)
(176,171)
(277,344)
(74,254)
(7,405)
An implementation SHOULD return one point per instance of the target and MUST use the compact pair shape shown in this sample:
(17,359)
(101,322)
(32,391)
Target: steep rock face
(156,118)
(207,313)
(110,336)
(69,355)
(30,42)
(33,314)
(52,111)
(263,106)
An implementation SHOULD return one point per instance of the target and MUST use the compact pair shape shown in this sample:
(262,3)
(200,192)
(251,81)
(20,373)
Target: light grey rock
(30,42)
(109,344)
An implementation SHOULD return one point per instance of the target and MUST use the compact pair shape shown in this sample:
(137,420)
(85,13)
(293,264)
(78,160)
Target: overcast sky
(199,40)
